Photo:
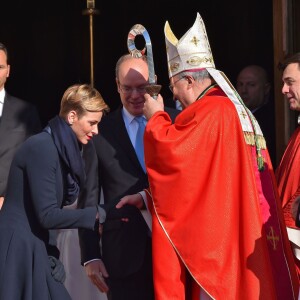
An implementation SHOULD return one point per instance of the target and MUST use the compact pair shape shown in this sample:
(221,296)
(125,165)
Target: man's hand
(151,106)
(97,273)
(135,200)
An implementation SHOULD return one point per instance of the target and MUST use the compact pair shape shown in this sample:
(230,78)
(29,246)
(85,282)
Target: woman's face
(86,126)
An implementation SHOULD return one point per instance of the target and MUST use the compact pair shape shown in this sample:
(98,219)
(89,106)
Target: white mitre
(191,52)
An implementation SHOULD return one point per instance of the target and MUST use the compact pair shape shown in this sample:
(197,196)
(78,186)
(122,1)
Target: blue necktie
(139,142)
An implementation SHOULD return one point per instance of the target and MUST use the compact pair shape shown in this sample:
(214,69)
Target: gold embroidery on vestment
(272,238)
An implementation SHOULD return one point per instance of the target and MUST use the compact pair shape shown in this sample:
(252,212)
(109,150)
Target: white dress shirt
(2,95)
(132,128)
(131,125)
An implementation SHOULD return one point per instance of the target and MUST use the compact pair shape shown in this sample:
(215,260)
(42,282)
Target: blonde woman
(47,173)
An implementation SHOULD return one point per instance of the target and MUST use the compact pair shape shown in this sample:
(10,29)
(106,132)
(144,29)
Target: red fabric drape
(288,179)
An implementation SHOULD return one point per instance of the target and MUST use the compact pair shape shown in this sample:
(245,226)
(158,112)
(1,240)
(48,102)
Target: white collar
(127,116)
(2,95)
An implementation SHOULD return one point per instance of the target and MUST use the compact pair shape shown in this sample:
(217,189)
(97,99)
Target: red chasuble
(211,215)
(288,178)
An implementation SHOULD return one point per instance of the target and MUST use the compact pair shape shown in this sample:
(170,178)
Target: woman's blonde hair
(82,98)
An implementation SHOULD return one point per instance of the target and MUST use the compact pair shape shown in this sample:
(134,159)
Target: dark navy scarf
(68,148)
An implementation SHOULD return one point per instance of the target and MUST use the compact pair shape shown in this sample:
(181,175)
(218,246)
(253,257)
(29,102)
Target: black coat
(32,206)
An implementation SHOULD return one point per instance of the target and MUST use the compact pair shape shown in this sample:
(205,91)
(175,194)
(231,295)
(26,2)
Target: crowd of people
(158,203)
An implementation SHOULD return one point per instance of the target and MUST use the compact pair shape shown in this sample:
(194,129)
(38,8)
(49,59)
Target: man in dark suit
(18,120)
(254,87)
(126,261)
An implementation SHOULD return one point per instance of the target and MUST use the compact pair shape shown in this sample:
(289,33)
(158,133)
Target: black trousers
(137,286)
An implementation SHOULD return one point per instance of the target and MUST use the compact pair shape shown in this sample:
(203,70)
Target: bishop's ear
(190,79)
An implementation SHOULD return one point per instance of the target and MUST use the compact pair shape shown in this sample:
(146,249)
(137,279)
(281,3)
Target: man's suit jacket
(120,174)
(19,120)
(265,117)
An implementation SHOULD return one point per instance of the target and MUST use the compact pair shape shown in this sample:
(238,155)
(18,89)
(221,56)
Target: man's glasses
(127,90)
(171,86)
